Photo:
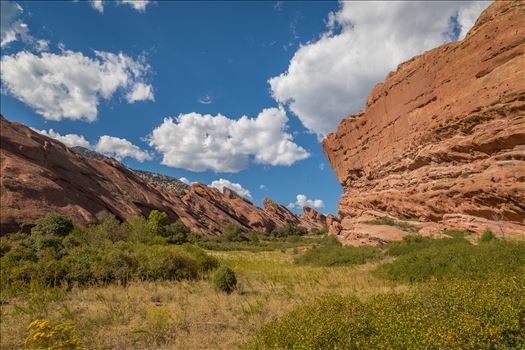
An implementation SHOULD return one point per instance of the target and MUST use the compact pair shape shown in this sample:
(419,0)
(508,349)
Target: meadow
(293,292)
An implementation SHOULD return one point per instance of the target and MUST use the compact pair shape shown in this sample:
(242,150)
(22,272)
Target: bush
(233,233)
(487,236)
(90,256)
(460,314)
(157,220)
(414,243)
(457,259)
(177,233)
(337,255)
(224,279)
(53,224)
(289,230)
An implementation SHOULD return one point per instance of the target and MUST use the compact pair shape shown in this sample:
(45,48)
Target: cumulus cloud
(329,78)
(139,5)
(70,85)
(12,27)
(302,201)
(204,142)
(110,146)
(120,148)
(69,140)
(98,5)
(237,188)
(140,92)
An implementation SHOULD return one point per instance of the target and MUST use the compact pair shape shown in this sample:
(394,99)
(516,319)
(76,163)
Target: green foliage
(53,224)
(334,254)
(289,230)
(487,236)
(414,243)
(444,259)
(460,314)
(233,233)
(177,233)
(224,279)
(157,220)
(104,253)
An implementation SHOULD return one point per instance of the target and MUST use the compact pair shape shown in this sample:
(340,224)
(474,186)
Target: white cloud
(237,188)
(98,5)
(303,201)
(110,146)
(139,5)
(70,85)
(120,148)
(468,15)
(262,187)
(69,140)
(140,92)
(321,166)
(329,78)
(12,28)
(185,180)
(205,100)
(204,142)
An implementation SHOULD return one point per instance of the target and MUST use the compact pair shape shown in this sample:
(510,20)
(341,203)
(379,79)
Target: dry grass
(189,315)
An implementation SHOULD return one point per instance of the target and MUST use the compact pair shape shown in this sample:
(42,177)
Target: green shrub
(92,256)
(233,233)
(53,224)
(459,314)
(414,243)
(157,220)
(487,236)
(177,233)
(457,259)
(224,279)
(337,255)
(289,230)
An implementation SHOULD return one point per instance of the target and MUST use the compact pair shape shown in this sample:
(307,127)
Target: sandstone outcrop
(442,139)
(40,175)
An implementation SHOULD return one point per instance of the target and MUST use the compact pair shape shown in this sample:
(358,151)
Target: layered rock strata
(442,139)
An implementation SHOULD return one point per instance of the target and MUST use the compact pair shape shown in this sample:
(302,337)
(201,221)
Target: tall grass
(460,314)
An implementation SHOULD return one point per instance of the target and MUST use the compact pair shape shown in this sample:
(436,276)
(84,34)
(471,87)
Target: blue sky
(198,58)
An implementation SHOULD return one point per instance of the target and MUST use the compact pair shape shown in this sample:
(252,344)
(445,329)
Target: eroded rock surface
(443,136)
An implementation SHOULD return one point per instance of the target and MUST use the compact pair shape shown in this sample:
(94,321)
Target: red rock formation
(216,210)
(444,135)
(311,218)
(40,175)
(279,213)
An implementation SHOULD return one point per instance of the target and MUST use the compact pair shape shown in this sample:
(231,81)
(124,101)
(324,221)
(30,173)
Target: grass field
(188,314)
(292,292)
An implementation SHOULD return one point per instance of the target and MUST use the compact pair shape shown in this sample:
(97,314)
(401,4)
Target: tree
(53,224)
(157,220)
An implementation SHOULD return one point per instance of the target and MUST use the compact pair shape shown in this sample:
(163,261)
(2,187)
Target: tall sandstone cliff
(39,175)
(442,139)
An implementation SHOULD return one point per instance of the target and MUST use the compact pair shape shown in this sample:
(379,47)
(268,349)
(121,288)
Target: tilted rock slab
(444,135)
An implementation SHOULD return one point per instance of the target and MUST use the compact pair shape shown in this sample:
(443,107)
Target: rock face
(444,136)
(40,175)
